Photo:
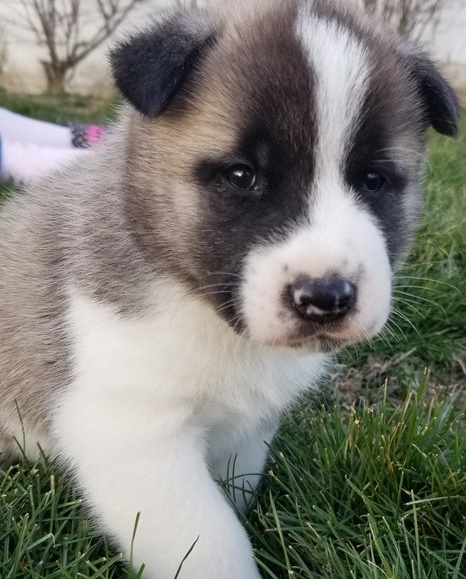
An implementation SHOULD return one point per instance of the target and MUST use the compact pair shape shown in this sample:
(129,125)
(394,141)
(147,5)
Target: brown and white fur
(163,301)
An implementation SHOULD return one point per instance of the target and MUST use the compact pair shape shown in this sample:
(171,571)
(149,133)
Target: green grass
(369,483)
(44,531)
(376,492)
(61,109)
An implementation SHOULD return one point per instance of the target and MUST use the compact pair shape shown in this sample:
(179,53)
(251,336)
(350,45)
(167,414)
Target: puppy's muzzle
(322,300)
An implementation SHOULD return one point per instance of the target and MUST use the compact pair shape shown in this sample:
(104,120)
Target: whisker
(227,273)
(388,334)
(401,316)
(401,336)
(383,338)
(208,286)
(425,300)
(215,293)
(400,149)
(409,305)
(411,286)
(228,304)
(426,287)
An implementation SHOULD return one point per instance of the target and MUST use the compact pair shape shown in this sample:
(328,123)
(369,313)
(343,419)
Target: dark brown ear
(441,104)
(150,67)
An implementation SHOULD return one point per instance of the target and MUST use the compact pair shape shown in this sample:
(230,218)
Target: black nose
(322,300)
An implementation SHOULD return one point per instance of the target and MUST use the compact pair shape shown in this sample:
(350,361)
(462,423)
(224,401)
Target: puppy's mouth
(317,340)
(321,344)
(316,343)
(308,338)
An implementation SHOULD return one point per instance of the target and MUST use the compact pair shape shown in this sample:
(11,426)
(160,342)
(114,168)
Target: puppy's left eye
(371,182)
(241,176)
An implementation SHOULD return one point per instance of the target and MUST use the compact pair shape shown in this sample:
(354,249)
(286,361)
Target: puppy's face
(284,169)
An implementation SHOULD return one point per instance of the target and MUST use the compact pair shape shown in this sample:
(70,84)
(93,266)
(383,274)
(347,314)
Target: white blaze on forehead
(341,71)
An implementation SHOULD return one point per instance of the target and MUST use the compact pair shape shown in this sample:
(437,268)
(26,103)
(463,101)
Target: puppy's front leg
(239,466)
(137,462)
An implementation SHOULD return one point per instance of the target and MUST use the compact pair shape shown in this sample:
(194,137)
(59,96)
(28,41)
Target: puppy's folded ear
(440,102)
(150,68)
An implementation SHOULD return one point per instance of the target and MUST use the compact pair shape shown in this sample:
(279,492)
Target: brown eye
(371,182)
(241,176)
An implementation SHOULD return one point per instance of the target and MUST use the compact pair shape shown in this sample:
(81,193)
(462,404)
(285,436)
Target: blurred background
(58,46)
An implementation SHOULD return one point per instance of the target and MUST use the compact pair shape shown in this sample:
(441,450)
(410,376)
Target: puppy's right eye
(241,176)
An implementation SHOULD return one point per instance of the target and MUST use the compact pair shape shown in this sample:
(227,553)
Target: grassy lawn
(368,480)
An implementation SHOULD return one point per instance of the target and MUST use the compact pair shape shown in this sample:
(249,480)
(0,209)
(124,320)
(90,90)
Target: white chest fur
(181,351)
(160,404)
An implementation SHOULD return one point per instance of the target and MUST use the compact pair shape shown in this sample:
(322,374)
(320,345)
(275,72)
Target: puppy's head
(274,162)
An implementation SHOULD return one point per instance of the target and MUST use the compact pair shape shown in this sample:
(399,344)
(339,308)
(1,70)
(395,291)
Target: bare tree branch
(411,18)
(3,48)
(62,28)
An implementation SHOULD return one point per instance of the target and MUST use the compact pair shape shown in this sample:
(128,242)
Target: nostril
(322,299)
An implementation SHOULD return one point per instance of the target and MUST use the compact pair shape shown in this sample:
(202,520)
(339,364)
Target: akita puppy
(165,299)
